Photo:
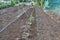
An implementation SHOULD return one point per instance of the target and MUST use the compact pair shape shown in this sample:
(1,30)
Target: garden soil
(42,27)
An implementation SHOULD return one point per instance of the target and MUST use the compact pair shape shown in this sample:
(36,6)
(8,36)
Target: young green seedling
(30,20)
(31,17)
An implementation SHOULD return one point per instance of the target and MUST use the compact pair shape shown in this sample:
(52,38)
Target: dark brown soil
(17,28)
(47,28)
(42,28)
(8,15)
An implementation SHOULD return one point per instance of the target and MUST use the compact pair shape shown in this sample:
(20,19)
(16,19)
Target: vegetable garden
(20,22)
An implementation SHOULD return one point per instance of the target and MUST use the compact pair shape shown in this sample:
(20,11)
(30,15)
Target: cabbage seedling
(30,20)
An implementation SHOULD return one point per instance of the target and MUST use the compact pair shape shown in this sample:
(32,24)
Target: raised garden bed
(20,27)
(8,15)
